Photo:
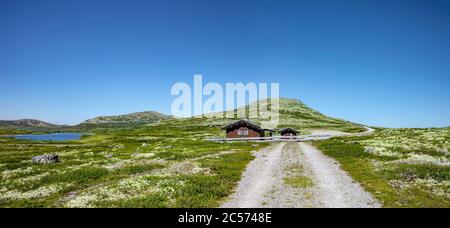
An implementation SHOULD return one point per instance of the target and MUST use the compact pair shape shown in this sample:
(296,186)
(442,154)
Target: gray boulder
(45,159)
(369,150)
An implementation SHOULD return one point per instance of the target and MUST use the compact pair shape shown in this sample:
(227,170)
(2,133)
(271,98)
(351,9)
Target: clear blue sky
(383,63)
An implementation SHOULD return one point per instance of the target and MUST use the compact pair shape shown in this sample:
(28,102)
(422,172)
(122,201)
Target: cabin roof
(269,130)
(242,123)
(284,130)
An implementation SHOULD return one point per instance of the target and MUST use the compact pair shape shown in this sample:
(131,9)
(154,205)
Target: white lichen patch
(424,159)
(409,140)
(41,192)
(115,165)
(117,147)
(82,201)
(410,145)
(183,168)
(78,167)
(129,188)
(381,151)
(136,160)
(25,180)
(143,155)
(69,152)
(444,151)
(437,188)
(14,172)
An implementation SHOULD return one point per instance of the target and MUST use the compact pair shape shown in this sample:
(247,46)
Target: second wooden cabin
(288,132)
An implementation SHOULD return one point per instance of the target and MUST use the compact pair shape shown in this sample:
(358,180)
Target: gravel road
(322,183)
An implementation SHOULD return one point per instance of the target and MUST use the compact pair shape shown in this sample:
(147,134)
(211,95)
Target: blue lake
(52,137)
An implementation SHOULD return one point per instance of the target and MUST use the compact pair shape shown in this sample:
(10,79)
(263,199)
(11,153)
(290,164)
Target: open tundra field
(400,167)
(164,165)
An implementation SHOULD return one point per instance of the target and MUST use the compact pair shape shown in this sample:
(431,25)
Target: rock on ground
(45,159)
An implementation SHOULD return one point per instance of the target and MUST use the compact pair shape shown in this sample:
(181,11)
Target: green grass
(299,182)
(388,174)
(10,131)
(160,165)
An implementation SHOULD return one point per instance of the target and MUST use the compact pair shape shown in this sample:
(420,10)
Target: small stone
(45,159)
(410,176)
(108,156)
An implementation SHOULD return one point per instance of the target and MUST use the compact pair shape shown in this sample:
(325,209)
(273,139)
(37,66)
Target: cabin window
(242,132)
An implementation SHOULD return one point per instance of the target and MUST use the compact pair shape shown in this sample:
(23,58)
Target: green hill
(148,117)
(293,113)
(28,124)
(131,120)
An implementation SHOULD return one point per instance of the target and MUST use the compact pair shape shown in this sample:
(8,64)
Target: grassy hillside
(148,117)
(296,114)
(119,122)
(293,113)
(28,124)
(97,124)
(10,131)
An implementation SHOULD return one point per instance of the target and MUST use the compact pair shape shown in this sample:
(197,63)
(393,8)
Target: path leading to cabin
(296,174)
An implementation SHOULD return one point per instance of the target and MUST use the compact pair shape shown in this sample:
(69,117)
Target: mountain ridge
(145,116)
(28,124)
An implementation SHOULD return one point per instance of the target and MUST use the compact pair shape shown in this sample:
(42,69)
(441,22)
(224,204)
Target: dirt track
(264,182)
